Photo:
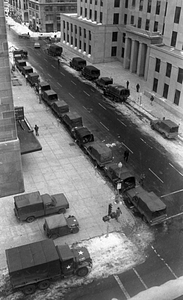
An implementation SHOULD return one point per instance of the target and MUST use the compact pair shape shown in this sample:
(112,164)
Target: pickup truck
(36,264)
(30,206)
(71,120)
(100,153)
(58,225)
(82,135)
(43,85)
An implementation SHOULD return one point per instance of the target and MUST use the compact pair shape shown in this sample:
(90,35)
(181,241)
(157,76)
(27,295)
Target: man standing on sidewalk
(118,213)
(36,128)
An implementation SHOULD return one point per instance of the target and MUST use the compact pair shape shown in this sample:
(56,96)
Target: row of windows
(141,5)
(165,91)
(90,14)
(76,30)
(116,2)
(60,8)
(77,43)
(168,70)
(139,23)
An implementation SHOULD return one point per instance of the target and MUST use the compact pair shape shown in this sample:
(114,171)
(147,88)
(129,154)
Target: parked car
(58,225)
(91,72)
(117,93)
(167,128)
(103,82)
(120,176)
(82,135)
(78,63)
(30,206)
(37,45)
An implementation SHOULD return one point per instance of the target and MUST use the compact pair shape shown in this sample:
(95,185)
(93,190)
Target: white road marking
(122,287)
(156,175)
(45,59)
(174,216)
(122,122)
(53,66)
(175,192)
(41,68)
(71,95)
(86,93)
(164,262)
(59,83)
(73,82)
(102,106)
(127,147)
(146,143)
(175,169)
(49,75)
(84,107)
(104,126)
(141,280)
(62,73)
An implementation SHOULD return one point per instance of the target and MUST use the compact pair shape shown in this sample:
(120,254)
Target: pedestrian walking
(36,128)
(40,97)
(137,87)
(58,62)
(127,84)
(118,213)
(151,99)
(142,178)
(26,76)
(126,155)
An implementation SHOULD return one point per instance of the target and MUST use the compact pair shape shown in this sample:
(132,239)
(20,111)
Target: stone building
(11,178)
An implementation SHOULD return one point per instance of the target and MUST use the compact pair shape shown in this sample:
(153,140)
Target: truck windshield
(158,213)
(174,129)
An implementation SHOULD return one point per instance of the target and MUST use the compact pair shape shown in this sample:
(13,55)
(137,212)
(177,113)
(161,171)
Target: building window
(90,1)
(139,22)
(174,38)
(133,3)
(75,43)
(67,38)
(147,24)
(157,66)
(124,37)
(149,6)
(155,85)
(79,44)
(64,24)
(75,29)
(132,20)
(158,4)
(67,25)
(180,76)
(81,11)
(168,70)
(90,14)
(84,33)
(116,3)
(177,14)
(64,36)
(141,5)
(126,3)
(89,49)
(101,2)
(85,47)
(71,27)
(125,19)
(71,40)
(79,31)
(122,52)
(114,36)
(177,97)
(101,17)
(165,90)
(95,2)
(155,26)
(116,19)
(113,51)
(85,12)
(95,16)
(89,33)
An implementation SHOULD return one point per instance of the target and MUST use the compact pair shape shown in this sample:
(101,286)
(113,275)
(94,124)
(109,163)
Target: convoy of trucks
(35,265)
(90,72)
(116,92)
(78,63)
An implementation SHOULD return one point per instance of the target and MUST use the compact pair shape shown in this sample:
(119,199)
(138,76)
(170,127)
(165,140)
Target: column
(11,177)
(147,62)
(141,59)
(127,56)
(134,56)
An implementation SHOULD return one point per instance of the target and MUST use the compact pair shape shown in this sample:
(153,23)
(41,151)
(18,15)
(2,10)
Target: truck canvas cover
(64,252)
(60,107)
(29,199)
(32,262)
(82,132)
(101,152)
(56,221)
(33,75)
(44,85)
(72,119)
(169,125)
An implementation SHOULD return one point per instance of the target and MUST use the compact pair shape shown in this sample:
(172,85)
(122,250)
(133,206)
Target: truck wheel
(30,219)
(144,219)
(28,290)
(62,211)
(43,285)
(82,272)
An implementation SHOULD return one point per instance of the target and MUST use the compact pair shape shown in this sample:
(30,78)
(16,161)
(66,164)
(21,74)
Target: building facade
(145,35)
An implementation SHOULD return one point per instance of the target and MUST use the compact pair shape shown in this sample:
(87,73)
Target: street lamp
(118,200)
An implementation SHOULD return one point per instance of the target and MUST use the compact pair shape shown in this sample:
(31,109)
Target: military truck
(36,264)
(82,135)
(150,207)
(49,96)
(43,85)
(121,177)
(90,72)
(58,225)
(78,63)
(26,70)
(20,64)
(60,108)
(116,92)
(21,53)
(55,50)
(33,78)
(100,153)
(167,128)
(103,82)
(71,120)
(28,207)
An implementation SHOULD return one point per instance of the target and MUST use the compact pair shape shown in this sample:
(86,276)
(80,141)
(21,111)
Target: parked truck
(49,96)
(71,120)
(20,53)
(43,86)
(116,92)
(91,72)
(148,204)
(28,207)
(100,153)
(60,108)
(78,63)
(55,50)
(20,64)
(26,70)
(33,78)
(36,264)
(103,82)
(82,135)
(166,127)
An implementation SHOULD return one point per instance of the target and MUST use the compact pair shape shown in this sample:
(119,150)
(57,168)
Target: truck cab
(23,53)
(71,120)
(49,97)
(117,93)
(78,63)
(28,207)
(100,153)
(150,207)
(82,135)
(167,128)
(58,225)
(91,72)
(103,82)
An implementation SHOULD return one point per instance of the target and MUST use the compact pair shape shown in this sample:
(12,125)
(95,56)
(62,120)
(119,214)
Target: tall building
(145,35)
(11,178)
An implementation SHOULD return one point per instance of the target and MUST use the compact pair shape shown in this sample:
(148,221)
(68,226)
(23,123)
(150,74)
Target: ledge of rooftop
(80,18)
(169,49)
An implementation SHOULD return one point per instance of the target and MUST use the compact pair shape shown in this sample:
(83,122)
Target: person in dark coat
(137,87)
(36,128)
(118,213)
(126,155)
(127,84)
